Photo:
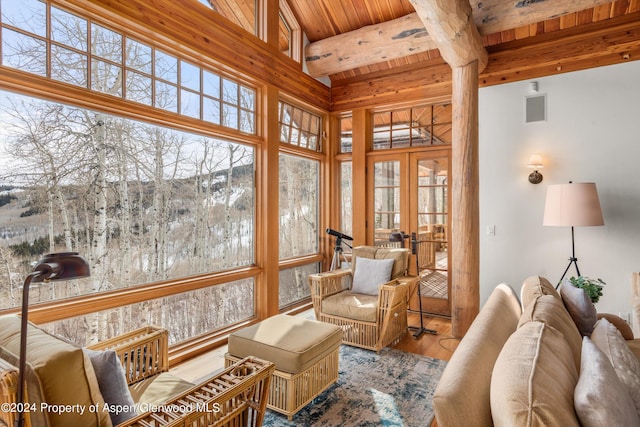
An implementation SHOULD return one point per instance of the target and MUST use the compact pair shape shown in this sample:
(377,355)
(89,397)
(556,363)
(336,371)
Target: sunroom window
(143,203)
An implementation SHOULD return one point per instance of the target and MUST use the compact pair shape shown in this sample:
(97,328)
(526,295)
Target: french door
(410,193)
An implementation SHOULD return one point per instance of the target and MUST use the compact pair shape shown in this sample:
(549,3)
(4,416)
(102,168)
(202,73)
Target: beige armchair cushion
(534,379)
(354,306)
(55,361)
(157,390)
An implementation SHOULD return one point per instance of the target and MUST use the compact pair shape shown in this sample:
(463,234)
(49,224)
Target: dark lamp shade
(574,204)
(397,236)
(62,266)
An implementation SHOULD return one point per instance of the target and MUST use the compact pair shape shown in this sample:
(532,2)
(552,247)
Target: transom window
(45,40)
(299,127)
(411,127)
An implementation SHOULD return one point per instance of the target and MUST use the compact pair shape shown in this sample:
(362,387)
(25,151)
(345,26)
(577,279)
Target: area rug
(392,388)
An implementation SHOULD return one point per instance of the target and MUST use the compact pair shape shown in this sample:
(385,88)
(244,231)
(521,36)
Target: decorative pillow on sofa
(550,310)
(625,363)
(600,398)
(533,287)
(533,379)
(113,384)
(580,307)
(370,274)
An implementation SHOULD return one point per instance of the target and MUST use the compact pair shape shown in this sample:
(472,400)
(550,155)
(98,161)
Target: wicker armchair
(368,321)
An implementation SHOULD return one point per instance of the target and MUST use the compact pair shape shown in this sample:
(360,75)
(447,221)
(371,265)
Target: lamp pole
(52,267)
(19,422)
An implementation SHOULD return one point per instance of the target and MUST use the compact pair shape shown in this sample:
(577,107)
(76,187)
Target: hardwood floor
(440,346)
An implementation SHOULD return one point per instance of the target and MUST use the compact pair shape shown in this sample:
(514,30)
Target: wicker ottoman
(304,351)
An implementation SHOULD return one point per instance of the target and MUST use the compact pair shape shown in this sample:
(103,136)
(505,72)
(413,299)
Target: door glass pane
(346,195)
(432,226)
(386,199)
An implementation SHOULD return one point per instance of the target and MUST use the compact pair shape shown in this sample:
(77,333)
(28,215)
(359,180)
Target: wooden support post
(465,227)
(361,143)
(267,288)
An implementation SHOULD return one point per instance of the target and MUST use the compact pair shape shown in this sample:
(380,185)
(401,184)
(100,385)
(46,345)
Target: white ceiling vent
(536,108)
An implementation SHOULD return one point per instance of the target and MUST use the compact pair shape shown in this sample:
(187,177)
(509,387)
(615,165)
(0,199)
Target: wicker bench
(305,353)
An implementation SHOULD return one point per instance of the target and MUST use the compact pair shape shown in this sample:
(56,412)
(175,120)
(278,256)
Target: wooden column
(359,203)
(268,212)
(465,233)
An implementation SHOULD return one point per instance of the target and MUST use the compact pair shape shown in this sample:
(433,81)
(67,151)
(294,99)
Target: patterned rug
(392,388)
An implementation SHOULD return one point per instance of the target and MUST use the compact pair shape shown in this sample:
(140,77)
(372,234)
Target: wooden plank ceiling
(375,51)
(324,19)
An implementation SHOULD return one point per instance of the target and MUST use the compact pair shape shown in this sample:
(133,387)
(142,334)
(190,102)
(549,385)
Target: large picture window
(142,203)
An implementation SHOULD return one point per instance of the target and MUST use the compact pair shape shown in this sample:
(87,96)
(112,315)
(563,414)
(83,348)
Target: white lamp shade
(574,204)
(535,161)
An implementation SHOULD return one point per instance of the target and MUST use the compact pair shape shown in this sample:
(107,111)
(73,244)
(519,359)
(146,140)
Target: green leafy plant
(593,287)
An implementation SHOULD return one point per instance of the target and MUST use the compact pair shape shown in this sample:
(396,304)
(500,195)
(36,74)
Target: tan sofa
(123,381)
(521,361)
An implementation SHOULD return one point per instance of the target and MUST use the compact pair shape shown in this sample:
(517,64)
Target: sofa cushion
(579,306)
(113,384)
(533,287)
(370,274)
(533,379)
(64,372)
(347,304)
(625,363)
(550,310)
(462,393)
(600,398)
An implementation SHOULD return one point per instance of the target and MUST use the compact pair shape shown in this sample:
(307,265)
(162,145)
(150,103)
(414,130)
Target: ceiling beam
(450,26)
(613,41)
(407,35)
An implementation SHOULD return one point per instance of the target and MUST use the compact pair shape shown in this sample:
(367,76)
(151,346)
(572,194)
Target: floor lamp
(52,267)
(572,205)
(414,250)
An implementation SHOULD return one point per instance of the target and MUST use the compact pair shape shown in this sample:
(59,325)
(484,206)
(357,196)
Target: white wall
(592,134)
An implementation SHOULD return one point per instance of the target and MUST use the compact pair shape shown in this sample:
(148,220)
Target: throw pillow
(533,379)
(533,287)
(550,310)
(625,363)
(370,274)
(113,384)
(600,398)
(579,306)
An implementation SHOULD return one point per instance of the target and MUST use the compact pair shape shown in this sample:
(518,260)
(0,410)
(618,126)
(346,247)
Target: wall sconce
(535,163)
